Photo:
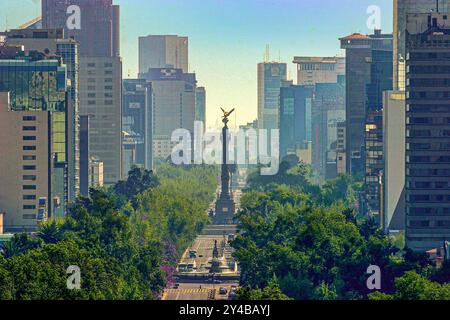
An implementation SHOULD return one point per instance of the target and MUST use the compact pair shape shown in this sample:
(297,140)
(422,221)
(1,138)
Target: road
(196,282)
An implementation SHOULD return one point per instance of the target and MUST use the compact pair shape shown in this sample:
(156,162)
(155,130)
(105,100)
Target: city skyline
(231,82)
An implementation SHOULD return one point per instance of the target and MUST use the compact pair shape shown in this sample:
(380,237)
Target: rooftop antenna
(437,6)
(279,56)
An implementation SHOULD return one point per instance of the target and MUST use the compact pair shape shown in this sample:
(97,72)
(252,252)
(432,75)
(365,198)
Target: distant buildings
(427,131)
(137,120)
(360,52)
(163,51)
(312,70)
(295,118)
(35,121)
(53,42)
(271,76)
(327,111)
(200,105)
(173,104)
(100,73)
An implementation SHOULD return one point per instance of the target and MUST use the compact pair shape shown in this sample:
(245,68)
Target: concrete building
(271,76)
(137,120)
(129,153)
(394,161)
(427,131)
(33,138)
(84,156)
(312,70)
(200,105)
(53,42)
(173,102)
(163,51)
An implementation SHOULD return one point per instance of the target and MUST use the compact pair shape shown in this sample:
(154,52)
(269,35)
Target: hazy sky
(228,37)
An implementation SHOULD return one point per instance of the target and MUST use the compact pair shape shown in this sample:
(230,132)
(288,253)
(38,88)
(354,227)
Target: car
(176,285)
(223,291)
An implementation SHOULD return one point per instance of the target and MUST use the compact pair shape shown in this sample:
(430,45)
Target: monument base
(225,210)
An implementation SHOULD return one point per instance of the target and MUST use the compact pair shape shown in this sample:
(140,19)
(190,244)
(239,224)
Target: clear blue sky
(228,37)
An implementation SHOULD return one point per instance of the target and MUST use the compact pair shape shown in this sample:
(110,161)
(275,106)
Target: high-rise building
(53,42)
(101,100)
(98,30)
(312,70)
(163,51)
(137,120)
(200,105)
(380,80)
(427,131)
(173,105)
(327,111)
(36,114)
(96,26)
(295,118)
(360,51)
(393,179)
(401,9)
(271,76)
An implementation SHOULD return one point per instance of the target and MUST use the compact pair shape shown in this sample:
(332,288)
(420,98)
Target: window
(29,168)
(29,197)
(29,148)
(91,95)
(29,178)
(29,158)
(29,138)
(29,207)
(29,118)
(29,187)
(29,128)
(29,216)
(91,65)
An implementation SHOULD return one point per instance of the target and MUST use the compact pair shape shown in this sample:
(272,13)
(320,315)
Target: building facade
(163,51)
(35,118)
(53,42)
(137,119)
(173,105)
(271,76)
(295,118)
(312,70)
(427,131)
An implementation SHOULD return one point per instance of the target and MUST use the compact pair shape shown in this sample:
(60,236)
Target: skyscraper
(173,105)
(98,31)
(137,119)
(95,25)
(380,81)
(295,118)
(427,131)
(53,42)
(163,51)
(359,54)
(271,76)
(401,9)
(35,116)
